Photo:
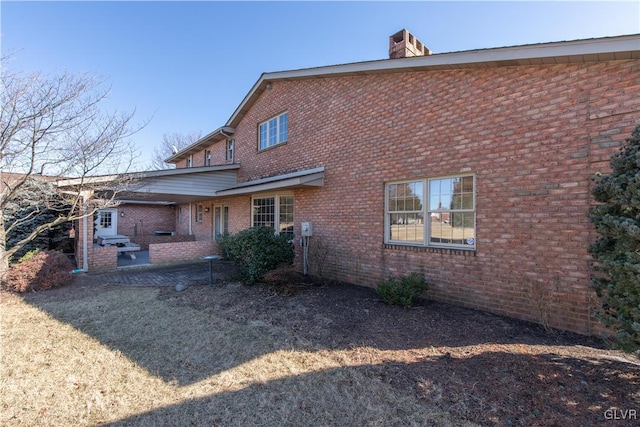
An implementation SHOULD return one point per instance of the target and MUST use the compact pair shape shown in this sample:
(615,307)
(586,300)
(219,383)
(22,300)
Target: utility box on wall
(307,229)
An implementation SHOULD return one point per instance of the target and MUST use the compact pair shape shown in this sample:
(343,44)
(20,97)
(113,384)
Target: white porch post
(86,195)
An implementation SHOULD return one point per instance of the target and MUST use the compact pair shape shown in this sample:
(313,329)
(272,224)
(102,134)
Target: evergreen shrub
(616,278)
(257,250)
(402,291)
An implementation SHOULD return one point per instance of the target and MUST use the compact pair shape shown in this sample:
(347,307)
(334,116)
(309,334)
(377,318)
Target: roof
(305,178)
(185,185)
(219,134)
(70,182)
(576,51)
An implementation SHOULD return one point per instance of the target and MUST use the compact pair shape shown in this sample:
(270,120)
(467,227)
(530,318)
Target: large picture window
(273,132)
(274,211)
(447,203)
(406,211)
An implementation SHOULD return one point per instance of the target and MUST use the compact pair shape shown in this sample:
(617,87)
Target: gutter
(216,135)
(576,51)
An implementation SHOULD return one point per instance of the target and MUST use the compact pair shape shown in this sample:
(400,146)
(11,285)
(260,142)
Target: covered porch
(170,216)
(143,212)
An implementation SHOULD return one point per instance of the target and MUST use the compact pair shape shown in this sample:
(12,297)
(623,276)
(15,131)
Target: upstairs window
(230,150)
(190,161)
(207,157)
(273,132)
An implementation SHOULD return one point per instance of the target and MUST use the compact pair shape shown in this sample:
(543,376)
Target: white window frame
(273,131)
(220,220)
(207,157)
(470,244)
(276,200)
(230,150)
(199,213)
(190,161)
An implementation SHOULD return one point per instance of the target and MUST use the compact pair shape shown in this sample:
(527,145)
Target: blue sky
(187,65)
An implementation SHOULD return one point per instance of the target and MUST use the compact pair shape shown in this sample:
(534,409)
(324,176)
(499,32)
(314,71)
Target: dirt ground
(481,367)
(484,368)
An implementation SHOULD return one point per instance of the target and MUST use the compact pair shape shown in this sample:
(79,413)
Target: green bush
(616,277)
(402,291)
(257,250)
(43,270)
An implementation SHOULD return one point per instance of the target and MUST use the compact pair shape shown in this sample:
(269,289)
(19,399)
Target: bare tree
(171,144)
(52,126)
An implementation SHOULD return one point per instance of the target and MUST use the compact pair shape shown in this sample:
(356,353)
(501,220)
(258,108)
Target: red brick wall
(102,258)
(532,135)
(239,212)
(239,216)
(144,241)
(187,224)
(180,251)
(144,220)
(218,156)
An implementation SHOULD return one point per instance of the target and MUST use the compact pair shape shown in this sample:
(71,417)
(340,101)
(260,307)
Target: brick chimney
(404,45)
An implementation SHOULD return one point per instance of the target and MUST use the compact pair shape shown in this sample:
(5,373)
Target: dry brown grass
(123,356)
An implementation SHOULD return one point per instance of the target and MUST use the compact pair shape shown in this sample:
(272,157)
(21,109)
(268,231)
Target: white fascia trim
(218,134)
(309,178)
(147,174)
(140,202)
(578,50)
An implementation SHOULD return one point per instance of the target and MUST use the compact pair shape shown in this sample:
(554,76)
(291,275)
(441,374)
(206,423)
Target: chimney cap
(403,44)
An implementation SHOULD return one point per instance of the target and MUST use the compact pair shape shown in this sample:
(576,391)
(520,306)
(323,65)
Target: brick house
(472,168)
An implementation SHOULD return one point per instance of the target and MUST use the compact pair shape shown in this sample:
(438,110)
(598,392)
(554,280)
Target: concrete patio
(192,273)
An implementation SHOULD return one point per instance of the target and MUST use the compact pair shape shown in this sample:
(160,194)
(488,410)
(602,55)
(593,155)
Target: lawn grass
(123,356)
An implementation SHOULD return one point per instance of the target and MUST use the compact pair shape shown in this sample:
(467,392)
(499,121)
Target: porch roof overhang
(171,186)
(301,179)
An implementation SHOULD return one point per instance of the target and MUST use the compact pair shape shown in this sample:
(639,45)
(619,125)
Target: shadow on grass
(444,355)
(339,397)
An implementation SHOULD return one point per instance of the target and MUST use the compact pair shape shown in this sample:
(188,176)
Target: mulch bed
(478,366)
(489,369)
